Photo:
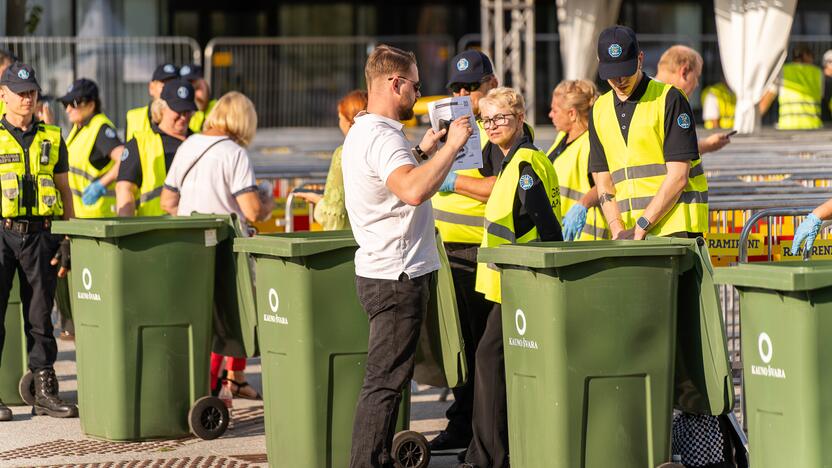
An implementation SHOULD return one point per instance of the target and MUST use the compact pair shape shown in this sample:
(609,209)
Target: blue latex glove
(573,222)
(93,192)
(448,184)
(807,231)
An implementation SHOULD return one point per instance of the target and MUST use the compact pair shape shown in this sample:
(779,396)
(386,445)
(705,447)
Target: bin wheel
(208,418)
(26,388)
(410,450)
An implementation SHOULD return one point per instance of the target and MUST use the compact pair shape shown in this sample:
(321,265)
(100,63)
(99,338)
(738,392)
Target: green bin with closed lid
(14,363)
(142,299)
(589,333)
(786,317)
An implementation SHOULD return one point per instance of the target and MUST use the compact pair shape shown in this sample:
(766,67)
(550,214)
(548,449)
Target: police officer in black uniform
(33,189)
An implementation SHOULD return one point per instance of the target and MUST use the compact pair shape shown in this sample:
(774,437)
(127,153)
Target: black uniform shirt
(105,142)
(680,143)
(531,202)
(25,139)
(131,165)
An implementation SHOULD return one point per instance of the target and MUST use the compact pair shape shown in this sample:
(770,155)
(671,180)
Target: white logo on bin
(766,349)
(274,305)
(520,326)
(86,281)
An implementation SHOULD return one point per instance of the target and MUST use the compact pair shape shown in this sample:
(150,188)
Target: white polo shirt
(393,237)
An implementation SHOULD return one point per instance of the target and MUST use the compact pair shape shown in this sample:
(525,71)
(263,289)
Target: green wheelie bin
(589,334)
(786,316)
(142,299)
(313,337)
(14,363)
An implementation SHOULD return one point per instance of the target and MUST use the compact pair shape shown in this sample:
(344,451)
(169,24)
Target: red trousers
(231,363)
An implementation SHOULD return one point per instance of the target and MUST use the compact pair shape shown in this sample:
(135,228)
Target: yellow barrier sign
(821,249)
(729,244)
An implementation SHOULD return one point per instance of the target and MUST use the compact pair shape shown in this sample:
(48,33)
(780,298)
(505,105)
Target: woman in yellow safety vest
(524,206)
(94,152)
(571,102)
(147,157)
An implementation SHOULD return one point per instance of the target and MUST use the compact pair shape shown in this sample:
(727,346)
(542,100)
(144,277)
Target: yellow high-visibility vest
(727,101)
(138,120)
(80,143)
(152,157)
(572,169)
(198,119)
(41,168)
(638,168)
(799,97)
(499,213)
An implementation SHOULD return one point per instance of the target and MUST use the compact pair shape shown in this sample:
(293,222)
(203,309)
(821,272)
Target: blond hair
(157,109)
(678,56)
(387,60)
(234,115)
(578,95)
(504,97)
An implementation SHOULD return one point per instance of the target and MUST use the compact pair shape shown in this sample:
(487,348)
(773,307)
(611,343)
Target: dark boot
(47,400)
(5,413)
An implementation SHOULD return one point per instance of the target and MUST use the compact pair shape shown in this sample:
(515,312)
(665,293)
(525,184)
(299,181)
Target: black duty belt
(26,226)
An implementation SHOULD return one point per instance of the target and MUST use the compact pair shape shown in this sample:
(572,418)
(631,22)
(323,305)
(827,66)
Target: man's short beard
(406,114)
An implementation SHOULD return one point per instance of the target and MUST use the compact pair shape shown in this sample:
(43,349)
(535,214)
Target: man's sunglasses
(417,85)
(470,87)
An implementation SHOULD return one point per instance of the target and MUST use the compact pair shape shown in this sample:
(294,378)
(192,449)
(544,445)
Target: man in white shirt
(387,195)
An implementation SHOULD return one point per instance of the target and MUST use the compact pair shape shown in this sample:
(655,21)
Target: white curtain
(579,24)
(753,40)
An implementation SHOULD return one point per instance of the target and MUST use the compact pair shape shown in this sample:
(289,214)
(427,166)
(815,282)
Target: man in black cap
(33,179)
(141,175)
(139,118)
(193,73)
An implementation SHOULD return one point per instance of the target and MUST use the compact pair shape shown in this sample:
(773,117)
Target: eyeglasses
(497,121)
(417,85)
(470,87)
(74,103)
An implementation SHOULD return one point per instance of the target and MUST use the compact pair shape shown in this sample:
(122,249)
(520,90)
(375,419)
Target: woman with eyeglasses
(524,206)
(148,156)
(583,219)
(94,152)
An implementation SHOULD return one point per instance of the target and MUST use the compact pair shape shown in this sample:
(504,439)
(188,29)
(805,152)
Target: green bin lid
(780,276)
(560,254)
(295,244)
(121,227)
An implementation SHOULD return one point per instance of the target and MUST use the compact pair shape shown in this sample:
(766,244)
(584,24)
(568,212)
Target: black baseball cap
(190,72)
(179,95)
(470,66)
(82,90)
(165,71)
(20,78)
(617,52)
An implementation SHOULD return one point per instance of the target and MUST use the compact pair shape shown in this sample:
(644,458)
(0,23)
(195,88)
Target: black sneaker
(449,441)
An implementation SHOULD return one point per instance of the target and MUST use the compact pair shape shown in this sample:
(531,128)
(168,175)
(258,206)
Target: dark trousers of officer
(396,309)
(28,256)
(473,309)
(489,446)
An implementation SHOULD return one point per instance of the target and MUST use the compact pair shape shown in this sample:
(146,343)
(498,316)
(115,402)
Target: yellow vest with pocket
(17,164)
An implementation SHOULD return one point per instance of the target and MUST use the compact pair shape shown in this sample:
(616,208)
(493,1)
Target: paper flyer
(445,111)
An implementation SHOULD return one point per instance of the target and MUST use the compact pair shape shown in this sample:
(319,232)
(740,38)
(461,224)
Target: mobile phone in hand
(731,133)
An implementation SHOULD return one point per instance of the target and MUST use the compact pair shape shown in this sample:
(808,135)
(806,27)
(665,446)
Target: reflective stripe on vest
(727,101)
(460,218)
(572,168)
(152,157)
(799,97)
(137,121)
(638,167)
(80,144)
(499,212)
(198,119)
(13,171)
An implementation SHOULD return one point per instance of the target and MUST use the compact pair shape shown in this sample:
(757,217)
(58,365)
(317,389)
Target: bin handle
(767,213)
(289,219)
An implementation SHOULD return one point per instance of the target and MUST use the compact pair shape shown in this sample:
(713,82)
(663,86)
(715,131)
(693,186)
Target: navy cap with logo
(190,72)
(165,71)
(82,90)
(617,52)
(20,78)
(179,95)
(470,66)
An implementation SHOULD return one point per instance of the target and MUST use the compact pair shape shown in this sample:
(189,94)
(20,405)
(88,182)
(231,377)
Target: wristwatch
(643,223)
(419,153)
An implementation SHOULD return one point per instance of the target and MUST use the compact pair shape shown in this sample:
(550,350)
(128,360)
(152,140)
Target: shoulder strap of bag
(188,171)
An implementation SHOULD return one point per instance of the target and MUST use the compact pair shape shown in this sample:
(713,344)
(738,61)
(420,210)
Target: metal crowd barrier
(297,81)
(122,66)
